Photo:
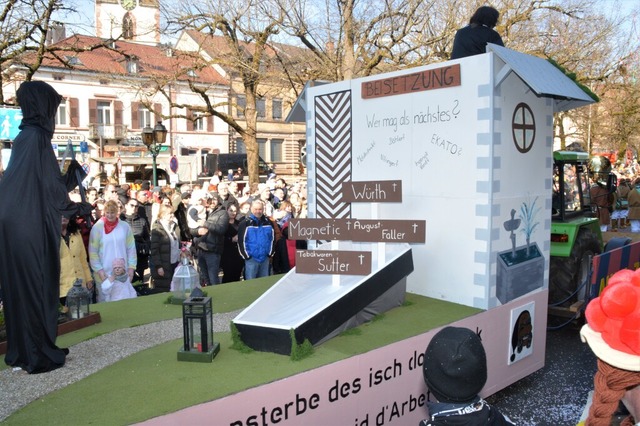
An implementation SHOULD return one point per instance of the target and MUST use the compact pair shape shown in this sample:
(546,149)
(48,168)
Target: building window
(145,118)
(73,60)
(261,107)
(199,121)
(241,148)
(104,112)
(127,27)
(241,104)
(132,66)
(262,148)
(61,115)
(276,109)
(276,150)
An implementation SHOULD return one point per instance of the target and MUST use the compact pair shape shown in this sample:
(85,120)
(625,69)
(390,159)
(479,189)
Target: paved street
(555,395)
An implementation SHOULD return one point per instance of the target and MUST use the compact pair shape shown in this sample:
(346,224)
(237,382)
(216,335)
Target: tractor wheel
(567,274)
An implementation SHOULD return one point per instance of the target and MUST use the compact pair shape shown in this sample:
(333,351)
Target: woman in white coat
(110,239)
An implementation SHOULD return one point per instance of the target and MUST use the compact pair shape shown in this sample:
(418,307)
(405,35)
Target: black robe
(34,197)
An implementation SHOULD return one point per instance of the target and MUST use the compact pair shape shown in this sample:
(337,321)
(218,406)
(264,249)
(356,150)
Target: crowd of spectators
(215,223)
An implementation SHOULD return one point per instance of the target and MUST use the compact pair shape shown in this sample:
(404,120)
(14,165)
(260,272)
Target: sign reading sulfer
(333,262)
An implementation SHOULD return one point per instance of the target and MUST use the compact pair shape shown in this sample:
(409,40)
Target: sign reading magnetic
(365,230)
(385,191)
(341,262)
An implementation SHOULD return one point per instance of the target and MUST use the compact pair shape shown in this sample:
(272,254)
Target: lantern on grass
(78,300)
(185,280)
(197,324)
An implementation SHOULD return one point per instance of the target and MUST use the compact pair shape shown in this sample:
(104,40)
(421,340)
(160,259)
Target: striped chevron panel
(333,153)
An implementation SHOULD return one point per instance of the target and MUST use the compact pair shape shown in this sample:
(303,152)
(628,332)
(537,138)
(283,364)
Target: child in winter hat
(613,334)
(455,370)
(118,286)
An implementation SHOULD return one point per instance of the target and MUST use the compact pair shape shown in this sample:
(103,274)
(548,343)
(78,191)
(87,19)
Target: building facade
(123,79)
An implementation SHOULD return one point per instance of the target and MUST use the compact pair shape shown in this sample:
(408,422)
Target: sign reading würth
(365,230)
(384,191)
(333,262)
(437,78)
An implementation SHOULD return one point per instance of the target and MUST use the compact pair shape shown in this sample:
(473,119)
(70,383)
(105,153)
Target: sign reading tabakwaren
(383,191)
(361,230)
(333,262)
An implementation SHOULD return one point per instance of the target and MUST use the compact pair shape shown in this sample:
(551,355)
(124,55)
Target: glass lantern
(185,280)
(78,300)
(197,323)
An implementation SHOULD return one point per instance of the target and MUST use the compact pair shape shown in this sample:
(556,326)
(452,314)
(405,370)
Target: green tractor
(575,229)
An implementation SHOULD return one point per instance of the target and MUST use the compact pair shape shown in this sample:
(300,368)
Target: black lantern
(197,324)
(153,139)
(78,300)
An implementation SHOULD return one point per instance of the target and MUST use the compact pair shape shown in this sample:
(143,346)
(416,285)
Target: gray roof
(543,78)
(298,111)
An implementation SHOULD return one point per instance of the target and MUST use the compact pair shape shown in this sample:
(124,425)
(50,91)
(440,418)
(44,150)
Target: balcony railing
(107,131)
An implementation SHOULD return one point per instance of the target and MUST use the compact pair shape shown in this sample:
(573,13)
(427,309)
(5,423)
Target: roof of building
(93,54)
(543,78)
(216,46)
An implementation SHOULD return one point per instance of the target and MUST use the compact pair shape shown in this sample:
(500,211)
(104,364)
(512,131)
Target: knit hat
(118,263)
(455,365)
(198,195)
(613,334)
(613,321)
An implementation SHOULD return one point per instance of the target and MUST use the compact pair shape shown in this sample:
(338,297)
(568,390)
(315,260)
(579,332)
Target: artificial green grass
(152,382)
(148,309)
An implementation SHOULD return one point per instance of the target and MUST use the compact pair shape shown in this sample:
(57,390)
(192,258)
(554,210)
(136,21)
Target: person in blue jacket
(256,242)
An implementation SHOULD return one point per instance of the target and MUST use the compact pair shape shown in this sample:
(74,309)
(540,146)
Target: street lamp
(153,139)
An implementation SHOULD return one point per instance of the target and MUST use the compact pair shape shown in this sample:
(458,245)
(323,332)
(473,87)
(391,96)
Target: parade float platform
(153,383)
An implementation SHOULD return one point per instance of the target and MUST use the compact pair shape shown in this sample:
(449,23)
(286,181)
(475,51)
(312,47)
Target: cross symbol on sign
(523,127)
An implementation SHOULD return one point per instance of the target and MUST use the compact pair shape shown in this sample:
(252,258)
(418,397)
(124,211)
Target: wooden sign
(385,191)
(365,230)
(437,78)
(387,231)
(339,262)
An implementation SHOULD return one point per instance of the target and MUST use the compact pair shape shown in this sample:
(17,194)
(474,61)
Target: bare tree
(244,56)
(24,25)
(351,38)
(30,32)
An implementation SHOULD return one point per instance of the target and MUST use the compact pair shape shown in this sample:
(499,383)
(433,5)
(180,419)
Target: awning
(126,161)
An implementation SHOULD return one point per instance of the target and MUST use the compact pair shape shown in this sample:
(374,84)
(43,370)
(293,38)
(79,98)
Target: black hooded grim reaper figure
(34,197)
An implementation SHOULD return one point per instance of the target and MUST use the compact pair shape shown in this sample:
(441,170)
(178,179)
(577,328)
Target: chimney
(329,47)
(57,32)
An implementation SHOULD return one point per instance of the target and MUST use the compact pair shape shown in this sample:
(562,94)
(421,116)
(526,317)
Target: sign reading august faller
(361,230)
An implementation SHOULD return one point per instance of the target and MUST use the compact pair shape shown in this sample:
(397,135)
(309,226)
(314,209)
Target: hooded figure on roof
(34,197)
